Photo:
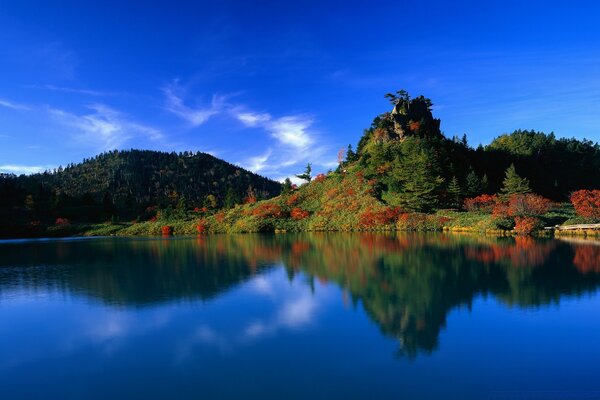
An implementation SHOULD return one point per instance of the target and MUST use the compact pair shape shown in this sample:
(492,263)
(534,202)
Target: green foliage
(415,176)
(474,184)
(306,175)
(455,192)
(513,183)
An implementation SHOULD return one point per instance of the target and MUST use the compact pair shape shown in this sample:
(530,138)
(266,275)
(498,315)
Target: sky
(273,85)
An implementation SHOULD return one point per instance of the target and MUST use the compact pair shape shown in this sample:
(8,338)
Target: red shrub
(526,225)
(414,126)
(220,217)
(298,213)
(385,216)
(62,221)
(293,199)
(587,203)
(319,178)
(202,226)
(167,230)
(528,204)
(520,205)
(266,210)
(484,202)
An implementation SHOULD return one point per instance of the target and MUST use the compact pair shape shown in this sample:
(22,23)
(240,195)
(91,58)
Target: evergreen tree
(417,176)
(231,198)
(513,183)
(474,185)
(306,175)
(287,186)
(485,184)
(350,154)
(455,192)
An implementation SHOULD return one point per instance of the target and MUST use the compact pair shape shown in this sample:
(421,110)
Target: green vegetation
(404,175)
(123,186)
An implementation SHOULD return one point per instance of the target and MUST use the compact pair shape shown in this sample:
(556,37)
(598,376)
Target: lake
(313,316)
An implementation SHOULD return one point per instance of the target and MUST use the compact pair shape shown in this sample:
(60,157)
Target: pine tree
(485,184)
(287,186)
(306,175)
(350,154)
(455,192)
(513,183)
(417,177)
(474,185)
(231,198)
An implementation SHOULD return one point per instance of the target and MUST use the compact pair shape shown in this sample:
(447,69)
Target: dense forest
(127,185)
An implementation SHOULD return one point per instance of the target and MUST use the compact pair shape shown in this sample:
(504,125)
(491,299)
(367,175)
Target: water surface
(300,316)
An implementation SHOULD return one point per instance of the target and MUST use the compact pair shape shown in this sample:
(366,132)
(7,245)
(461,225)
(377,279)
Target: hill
(404,175)
(126,185)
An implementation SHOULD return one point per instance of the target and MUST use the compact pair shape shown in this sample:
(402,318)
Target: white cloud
(72,90)
(253,119)
(105,128)
(13,105)
(294,146)
(24,169)
(194,116)
(258,163)
(292,131)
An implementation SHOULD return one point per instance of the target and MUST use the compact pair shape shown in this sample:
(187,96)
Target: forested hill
(124,184)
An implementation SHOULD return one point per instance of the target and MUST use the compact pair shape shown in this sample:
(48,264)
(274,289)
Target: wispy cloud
(12,105)
(296,142)
(195,116)
(24,169)
(72,90)
(105,128)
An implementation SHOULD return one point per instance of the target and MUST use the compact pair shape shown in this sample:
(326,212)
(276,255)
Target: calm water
(297,317)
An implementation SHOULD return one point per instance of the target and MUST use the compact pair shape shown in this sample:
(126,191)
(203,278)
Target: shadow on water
(407,283)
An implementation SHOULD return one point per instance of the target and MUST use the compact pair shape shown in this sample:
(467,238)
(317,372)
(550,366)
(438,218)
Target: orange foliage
(587,203)
(526,225)
(202,226)
(319,178)
(293,199)
(166,230)
(220,217)
(266,210)
(385,216)
(298,213)
(484,202)
(528,204)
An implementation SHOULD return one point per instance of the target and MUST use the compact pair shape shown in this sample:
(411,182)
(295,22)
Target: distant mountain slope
(125,183)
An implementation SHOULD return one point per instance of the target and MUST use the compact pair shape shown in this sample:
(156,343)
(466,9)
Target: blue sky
(274,85)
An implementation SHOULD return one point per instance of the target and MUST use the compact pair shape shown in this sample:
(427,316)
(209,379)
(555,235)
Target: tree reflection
(406,283)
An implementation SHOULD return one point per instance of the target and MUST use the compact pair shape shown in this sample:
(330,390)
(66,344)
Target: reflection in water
(406,283)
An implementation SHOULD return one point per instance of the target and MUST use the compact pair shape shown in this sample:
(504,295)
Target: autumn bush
(587,203)
(484,203)
(384,216)
(319,178)
(526,225)
(166,230)
(298,214)
(293,199)
(202,226)
(528,204)
(266,210)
